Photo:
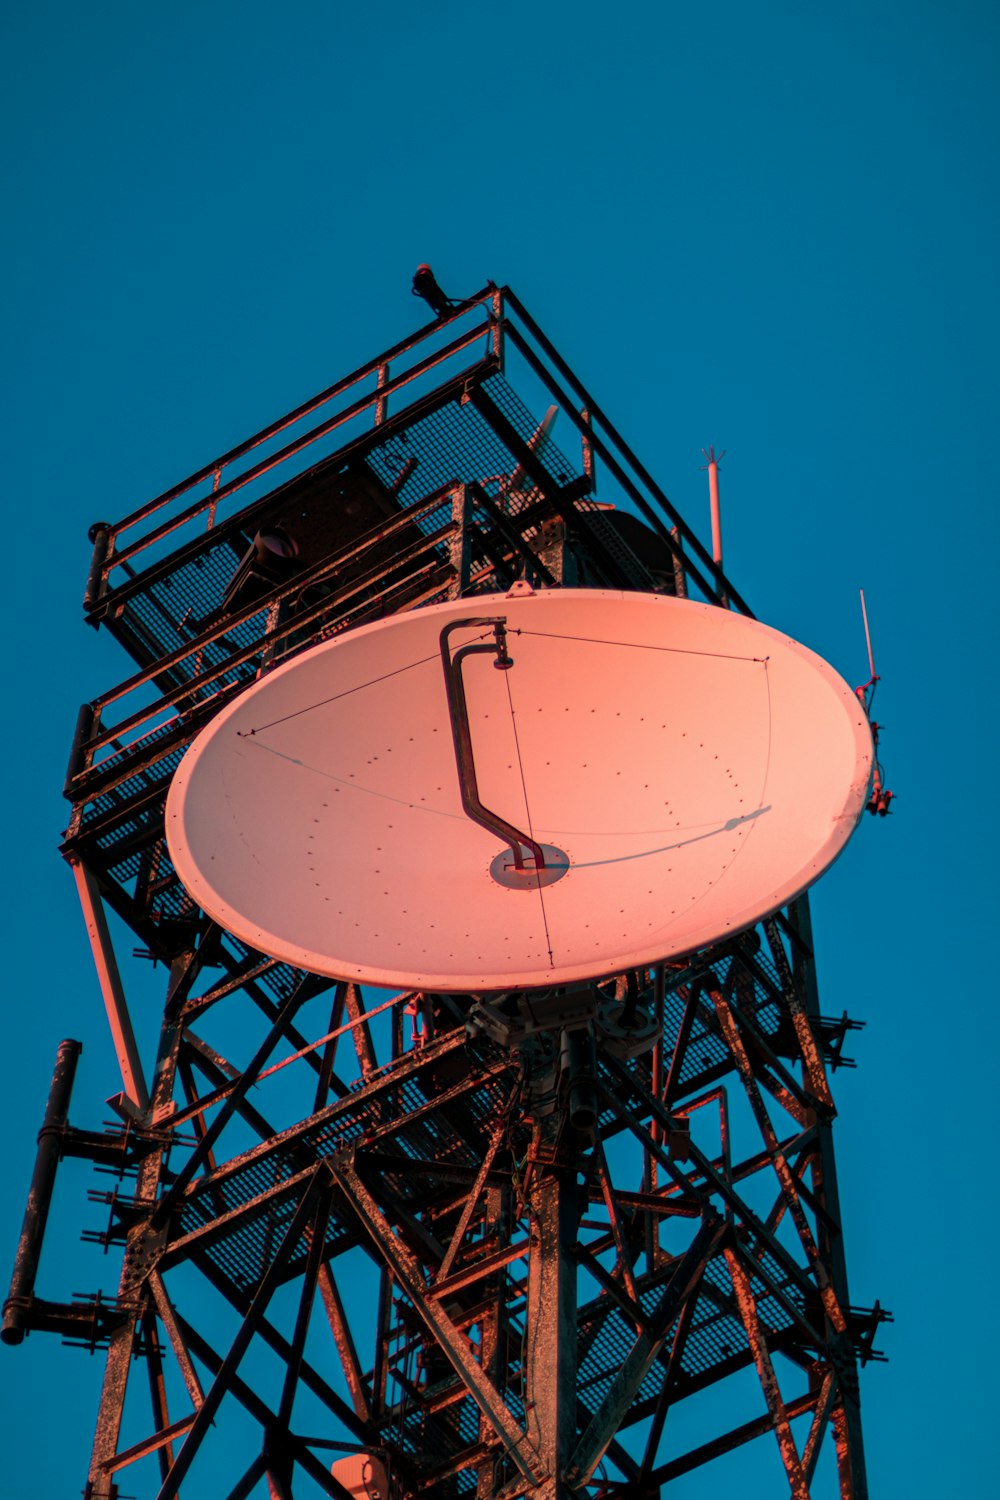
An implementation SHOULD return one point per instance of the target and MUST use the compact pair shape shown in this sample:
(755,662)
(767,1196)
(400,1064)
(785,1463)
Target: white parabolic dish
(698,768)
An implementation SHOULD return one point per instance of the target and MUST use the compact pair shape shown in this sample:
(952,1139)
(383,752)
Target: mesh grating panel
(456,442)
(244,1251)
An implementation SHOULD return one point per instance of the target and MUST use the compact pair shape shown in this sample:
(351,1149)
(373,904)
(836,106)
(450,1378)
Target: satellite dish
(683,770)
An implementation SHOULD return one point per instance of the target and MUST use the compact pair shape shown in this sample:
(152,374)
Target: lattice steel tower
(418,1242)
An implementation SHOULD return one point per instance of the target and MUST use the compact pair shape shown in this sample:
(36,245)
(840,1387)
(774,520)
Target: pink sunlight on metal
(686,770)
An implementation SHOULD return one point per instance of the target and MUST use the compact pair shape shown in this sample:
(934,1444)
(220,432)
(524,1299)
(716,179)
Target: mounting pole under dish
(458,713)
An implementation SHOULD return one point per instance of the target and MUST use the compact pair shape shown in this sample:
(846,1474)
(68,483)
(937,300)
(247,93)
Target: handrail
(355,409)
(304,410)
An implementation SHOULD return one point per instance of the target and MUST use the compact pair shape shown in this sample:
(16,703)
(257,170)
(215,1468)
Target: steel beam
(406,1271)
(550,1359)
(112,989)
(797,1481)
(36,1213)
(645,1350)
(221,1384)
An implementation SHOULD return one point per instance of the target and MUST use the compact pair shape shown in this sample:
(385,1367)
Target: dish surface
(698,768)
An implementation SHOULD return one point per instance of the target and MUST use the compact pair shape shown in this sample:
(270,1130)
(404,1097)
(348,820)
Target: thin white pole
(868,637)
(713,497)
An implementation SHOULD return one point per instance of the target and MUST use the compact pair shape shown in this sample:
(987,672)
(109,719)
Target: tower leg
(142,1247)
(550,1355)
(847,1413)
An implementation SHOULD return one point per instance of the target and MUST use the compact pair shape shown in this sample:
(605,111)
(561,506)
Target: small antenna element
(881,797)
(713,497)
(868,641)
(712,465)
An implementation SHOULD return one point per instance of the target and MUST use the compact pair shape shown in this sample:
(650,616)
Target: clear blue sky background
(772,227)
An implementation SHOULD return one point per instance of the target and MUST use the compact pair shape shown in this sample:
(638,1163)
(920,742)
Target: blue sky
(769,227)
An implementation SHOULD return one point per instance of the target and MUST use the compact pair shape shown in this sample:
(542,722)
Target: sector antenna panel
(688,770)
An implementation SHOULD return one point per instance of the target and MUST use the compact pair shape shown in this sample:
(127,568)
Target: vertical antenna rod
(713,498)
(22,1283)
(868,639)
(881,797)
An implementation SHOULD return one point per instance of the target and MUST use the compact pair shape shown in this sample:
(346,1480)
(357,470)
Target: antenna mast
(712,467)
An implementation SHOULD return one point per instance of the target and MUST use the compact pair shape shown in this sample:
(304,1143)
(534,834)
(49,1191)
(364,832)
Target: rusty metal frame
(424,1267)
(542,1290)
(112,991)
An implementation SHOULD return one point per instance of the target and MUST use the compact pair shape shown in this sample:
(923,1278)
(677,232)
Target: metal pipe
(579,1065)
(462,733)
(713,500)
(82,733)
(712,466)
(36,1213)
(100,535)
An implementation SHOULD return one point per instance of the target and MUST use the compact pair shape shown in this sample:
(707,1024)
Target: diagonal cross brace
(206,1412)
(637,1363)
(406,1270)
(777,1410)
